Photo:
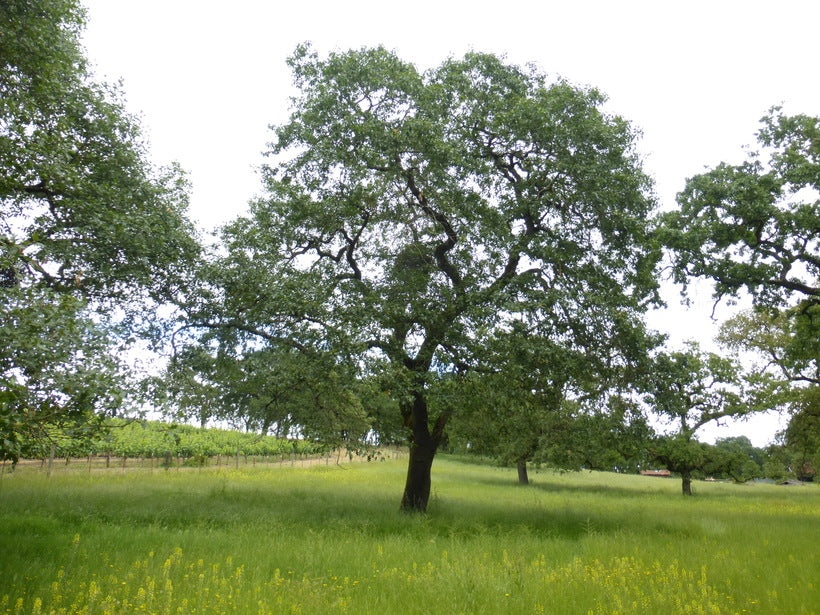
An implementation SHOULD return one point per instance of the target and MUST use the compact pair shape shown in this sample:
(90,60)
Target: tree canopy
(86,222)
(689,389)
(82,208)
(407,216)
(754,226)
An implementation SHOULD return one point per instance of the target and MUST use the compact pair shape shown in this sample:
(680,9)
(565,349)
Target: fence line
(51,465)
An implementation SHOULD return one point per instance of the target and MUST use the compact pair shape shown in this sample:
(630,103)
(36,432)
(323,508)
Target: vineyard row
(152,439)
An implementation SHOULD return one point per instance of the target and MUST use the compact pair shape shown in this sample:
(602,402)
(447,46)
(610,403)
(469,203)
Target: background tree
(191,387)
(269,389)
(86,223)
(754,226)
(382,407)
(532,399)
(785,345)
(690,389)
(610,433)
(407,216)
(801,438)
(519,399)
(735,458)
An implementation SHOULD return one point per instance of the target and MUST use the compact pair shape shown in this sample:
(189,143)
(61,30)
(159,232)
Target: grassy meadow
(330,539)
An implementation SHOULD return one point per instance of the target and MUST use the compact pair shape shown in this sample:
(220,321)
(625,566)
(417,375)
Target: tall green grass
(330,539)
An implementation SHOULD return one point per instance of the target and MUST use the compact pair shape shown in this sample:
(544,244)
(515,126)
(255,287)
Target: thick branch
(444,247)
(40,190)
(278,339)
(812,291)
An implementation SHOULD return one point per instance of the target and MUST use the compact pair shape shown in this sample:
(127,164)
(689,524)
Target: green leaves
(693,388)
(415,206)
(755,226)
(83,210)
(88,227)
(409,218)
(56,369)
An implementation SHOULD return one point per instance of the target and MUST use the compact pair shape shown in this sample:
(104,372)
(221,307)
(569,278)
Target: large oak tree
(409,216)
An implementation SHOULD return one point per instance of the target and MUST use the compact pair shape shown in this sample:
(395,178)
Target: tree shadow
(540,481)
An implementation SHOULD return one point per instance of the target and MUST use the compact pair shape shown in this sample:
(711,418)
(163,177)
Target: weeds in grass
(176,583)
(322,540)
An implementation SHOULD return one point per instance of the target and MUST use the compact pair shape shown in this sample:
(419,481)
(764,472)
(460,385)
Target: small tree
(506,415)
(785,344)
(690,389)
(736,458)
(535,399)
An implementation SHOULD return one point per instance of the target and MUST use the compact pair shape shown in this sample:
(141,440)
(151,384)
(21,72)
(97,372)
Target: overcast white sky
(208,78)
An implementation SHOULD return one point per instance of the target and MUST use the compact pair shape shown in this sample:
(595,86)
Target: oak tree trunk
(523,478)
(417,487)
(423,446)
(686,482)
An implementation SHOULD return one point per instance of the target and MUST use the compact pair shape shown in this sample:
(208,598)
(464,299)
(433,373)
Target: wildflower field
(330,539)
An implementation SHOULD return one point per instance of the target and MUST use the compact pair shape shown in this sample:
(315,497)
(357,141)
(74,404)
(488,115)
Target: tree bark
(51,459)
(417,487)
(523,477)
(423,446)
(686,482)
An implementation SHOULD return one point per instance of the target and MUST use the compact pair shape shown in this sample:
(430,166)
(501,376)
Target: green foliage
(754,226)
(689,389)
(82,211)
(517,401)
(796,457)
(787,342)
(152,439)
(680,454)
(407,216)
(735,458)
(57,375)
(538,401)
(382,411)
(692,388)
(329,540)
(802,436)
(786,377)
(614,437)
(279,389)
(88,229)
